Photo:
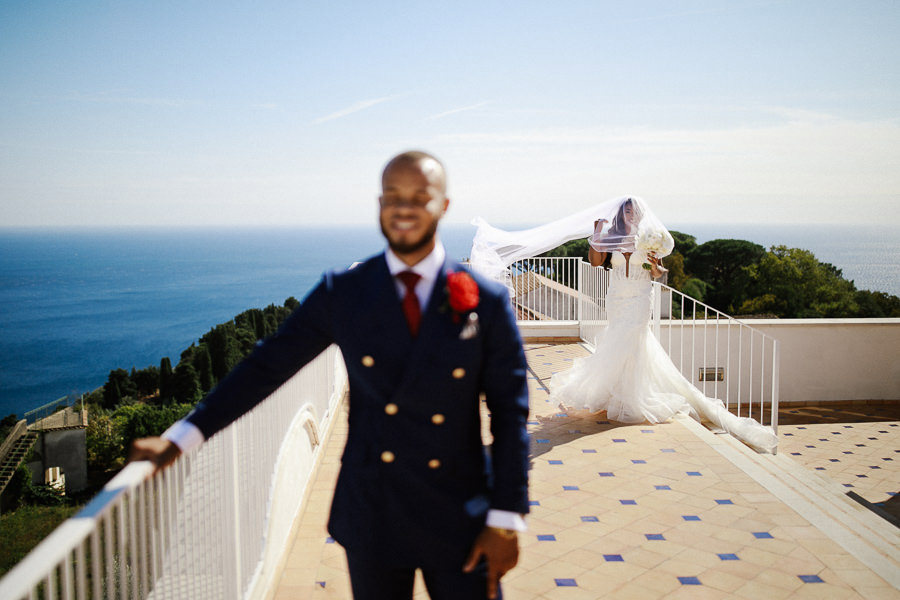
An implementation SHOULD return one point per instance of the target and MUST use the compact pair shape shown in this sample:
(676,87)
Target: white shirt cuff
(504,519)
(184,435)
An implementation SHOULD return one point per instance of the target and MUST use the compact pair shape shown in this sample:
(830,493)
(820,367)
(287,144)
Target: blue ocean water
(78,303)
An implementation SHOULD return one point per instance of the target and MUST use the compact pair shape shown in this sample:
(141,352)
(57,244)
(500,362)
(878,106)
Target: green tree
(291,303)
(103,442)
(186,384)
(877,304)
(723,265)
(118,386)
(203,365)
(791,283)
(146,381)
(684,243)
(143,420)
(165,380)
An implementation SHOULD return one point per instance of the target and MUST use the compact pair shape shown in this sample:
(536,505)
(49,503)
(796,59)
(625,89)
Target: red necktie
(410,301)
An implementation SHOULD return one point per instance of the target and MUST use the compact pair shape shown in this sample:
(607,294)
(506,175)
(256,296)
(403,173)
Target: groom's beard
(401,248)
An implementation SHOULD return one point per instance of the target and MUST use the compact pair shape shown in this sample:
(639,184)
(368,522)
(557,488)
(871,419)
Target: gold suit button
(437,419)
(391,408)
(459,373)
(434,464)
(387,456)
(368,361)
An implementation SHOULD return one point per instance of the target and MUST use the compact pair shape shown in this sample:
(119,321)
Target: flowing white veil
(619,224)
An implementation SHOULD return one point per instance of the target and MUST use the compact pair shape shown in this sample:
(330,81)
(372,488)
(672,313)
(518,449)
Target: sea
(77,303)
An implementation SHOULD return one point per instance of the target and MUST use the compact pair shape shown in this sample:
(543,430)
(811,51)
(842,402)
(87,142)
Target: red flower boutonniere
(462,294)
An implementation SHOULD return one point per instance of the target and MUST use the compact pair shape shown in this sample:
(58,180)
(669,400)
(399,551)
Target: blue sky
(283,113)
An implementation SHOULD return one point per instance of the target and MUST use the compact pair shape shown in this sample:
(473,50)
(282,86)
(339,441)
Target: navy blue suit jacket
(426,505)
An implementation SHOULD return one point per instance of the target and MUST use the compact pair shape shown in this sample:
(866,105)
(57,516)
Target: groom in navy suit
(423,340)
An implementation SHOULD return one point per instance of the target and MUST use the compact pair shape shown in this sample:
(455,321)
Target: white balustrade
(209,526)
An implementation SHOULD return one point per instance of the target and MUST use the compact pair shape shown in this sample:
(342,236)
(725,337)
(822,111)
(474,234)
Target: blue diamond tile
(810,579)
(533,422)
(848,485)
(546,538)
(689,581)
(654,536)
(329,540)
(874,467)
(834,460)
(534,503)
(565,583)
(320,584)
(695,473)
(847,452)
(823,439)
(590,519)
(667,450)
(628,502)
(639,461)
(589,451)
(810,446)
(728,557)
(795,454)
(820,468)
(801,428)
(613,558)
(570,488)
(662,487)
(788,434)
(762,535)
(690,517)
(543,441)
(605,474)
(555,462)
(651,431)
(619,440)
(725,501)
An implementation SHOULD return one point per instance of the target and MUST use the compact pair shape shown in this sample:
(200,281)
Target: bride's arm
(656,268)
(596,258)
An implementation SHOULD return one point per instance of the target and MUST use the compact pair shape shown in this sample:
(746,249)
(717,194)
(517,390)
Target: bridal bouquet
(650,242)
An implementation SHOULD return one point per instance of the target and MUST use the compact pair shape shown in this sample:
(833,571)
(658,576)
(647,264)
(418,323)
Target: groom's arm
(504,382)
(302,336)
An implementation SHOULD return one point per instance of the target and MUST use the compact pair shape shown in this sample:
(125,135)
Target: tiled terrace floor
(642,512)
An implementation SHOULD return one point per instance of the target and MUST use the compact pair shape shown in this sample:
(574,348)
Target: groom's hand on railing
(159,451)
(500,549)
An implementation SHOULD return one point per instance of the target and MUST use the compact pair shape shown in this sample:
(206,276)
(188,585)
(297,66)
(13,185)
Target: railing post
(232,508)
(775,376)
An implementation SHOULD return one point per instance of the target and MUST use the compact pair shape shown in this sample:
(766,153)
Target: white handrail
(203,527)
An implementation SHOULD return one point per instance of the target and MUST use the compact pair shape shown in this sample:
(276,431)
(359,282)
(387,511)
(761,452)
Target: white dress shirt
(187,436)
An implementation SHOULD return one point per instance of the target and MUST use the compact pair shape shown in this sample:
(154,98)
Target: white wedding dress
(631,377)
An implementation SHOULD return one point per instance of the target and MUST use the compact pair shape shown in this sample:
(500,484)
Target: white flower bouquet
(650,242)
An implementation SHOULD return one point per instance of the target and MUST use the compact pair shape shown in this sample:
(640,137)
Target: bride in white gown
(629,375)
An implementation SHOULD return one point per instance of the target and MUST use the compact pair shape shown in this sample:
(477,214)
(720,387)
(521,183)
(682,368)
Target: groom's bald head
(430,166)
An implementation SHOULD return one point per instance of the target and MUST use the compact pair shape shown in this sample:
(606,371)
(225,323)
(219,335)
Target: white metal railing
(545,288)
(209,526)
(724,357)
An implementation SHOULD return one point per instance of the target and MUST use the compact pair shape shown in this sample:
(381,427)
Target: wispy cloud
(361,105)
(453,111)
